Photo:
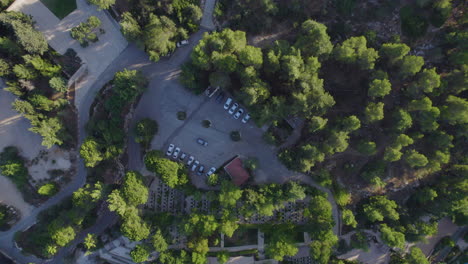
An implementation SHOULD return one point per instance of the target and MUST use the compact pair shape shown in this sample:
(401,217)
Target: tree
(423,104)
(205,225)
(392,154)
(229,194)
(48,189)
(158,36)
(222,257)
(403,120)
(354,50)
(379,88)
(212,180)
(410,65)
(391,237)
(145,130)
(281,245)
(140,253)
(172,173)
(24,72)
(455,110)
(50,130)
(336,142)
(415,159)
(130,27)
(427,80)
(61,235)
(379,207)
(90,152)
(416,256)
(117,203)
(251,56)
(159,242)
(348,218)
(133,226)
(4,68)
(317,123)
(350,123)
(90,241)
(368,148)
(199,245)
(374,112)
(29,38)
(133,189)
(314,40)
(58,84)
(321,250)
(102,4)
(403,141)
(394,52)
(425,195)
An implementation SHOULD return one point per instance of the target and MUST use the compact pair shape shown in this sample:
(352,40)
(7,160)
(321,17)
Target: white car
(190,160)
(195,165)
(246,118)
(233,108)
(182,156)
(227,104)
(176,153)
(239,113)
(182,43)
(170,149)
(211,171)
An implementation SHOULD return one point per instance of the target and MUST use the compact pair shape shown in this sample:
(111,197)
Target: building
(236,171)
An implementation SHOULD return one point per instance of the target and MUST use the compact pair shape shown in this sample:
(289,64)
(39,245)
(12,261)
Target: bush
(84,31)
(12,166)
(206,123)
(181,115)
(145,130)
(413,24)
(235,136)
(48,189)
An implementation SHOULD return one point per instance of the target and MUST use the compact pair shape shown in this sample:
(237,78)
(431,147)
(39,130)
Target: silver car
(233,108)
(176,153)
(182,156)
(239,113)
(211,171)
(195,165)
(246,118)
(227,103)
(190,160)
(170,149)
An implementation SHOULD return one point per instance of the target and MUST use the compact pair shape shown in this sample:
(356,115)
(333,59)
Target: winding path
(160,74)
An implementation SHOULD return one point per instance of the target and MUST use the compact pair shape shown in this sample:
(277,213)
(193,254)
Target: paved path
(207,19)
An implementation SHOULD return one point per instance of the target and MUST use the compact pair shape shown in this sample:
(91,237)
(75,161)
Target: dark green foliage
(134,191)
(413,24)
(48,189)
(373,172)
(58,84)
(281,242)
(140,253)
(441,10)
(172,173)
(102,4)
(90,152)
(374,112)
(12,166)
(21,25)
(368,148)
(314,40)
(354,50)
(415,159)
(379,208)
(85,31)
(392,237)
(145,130)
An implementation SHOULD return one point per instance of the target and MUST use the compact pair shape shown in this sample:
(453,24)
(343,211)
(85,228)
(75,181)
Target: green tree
(426,81)
(27,37)
(158,36)
(102,4)
(394,52)
(222,257)
(415,159)
(90,152)
(350,123)
(212,180)
(133,189)
(379,88)
(133,226)
(374,112)
(403,120)
(140,253)
(205,225)
(90,241)
(317,123)
(116,202)
(130,27)
(48,189)
(368,148)
(62,235)
(410,65)
(251,56)
(425,195)
(145,130)
(58,84)
(172,173)
(50,130)
(379,207)
(281,245)
(354,50)
(159,242)
(321,250)
(348,218)
(392,237)
(416,256)
(392,154)
(455,110)
(229,194)
(4,68)
(24,72)
(314,40)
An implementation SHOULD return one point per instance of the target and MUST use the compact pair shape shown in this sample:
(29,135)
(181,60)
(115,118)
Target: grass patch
(60,8)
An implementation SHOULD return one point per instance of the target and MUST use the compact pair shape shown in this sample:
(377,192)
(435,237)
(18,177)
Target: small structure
(236,171)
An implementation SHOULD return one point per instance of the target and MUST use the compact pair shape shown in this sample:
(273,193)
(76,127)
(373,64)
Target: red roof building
(236,171)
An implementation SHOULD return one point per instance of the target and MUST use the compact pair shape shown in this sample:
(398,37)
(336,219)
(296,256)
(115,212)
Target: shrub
(145,130)
(12,166)
(48,189)
(206,123)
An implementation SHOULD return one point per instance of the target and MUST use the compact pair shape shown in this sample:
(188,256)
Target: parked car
(246,118)
(211,171)
(182,43)
(220,97)
(233,108)
(195,165)
(200,170)
(227,103)
(170,149)
(239,113)
(202,142)
(190,160)
(176,153)
(182,156)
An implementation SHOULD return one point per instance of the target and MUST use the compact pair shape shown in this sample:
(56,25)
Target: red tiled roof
(238,174)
